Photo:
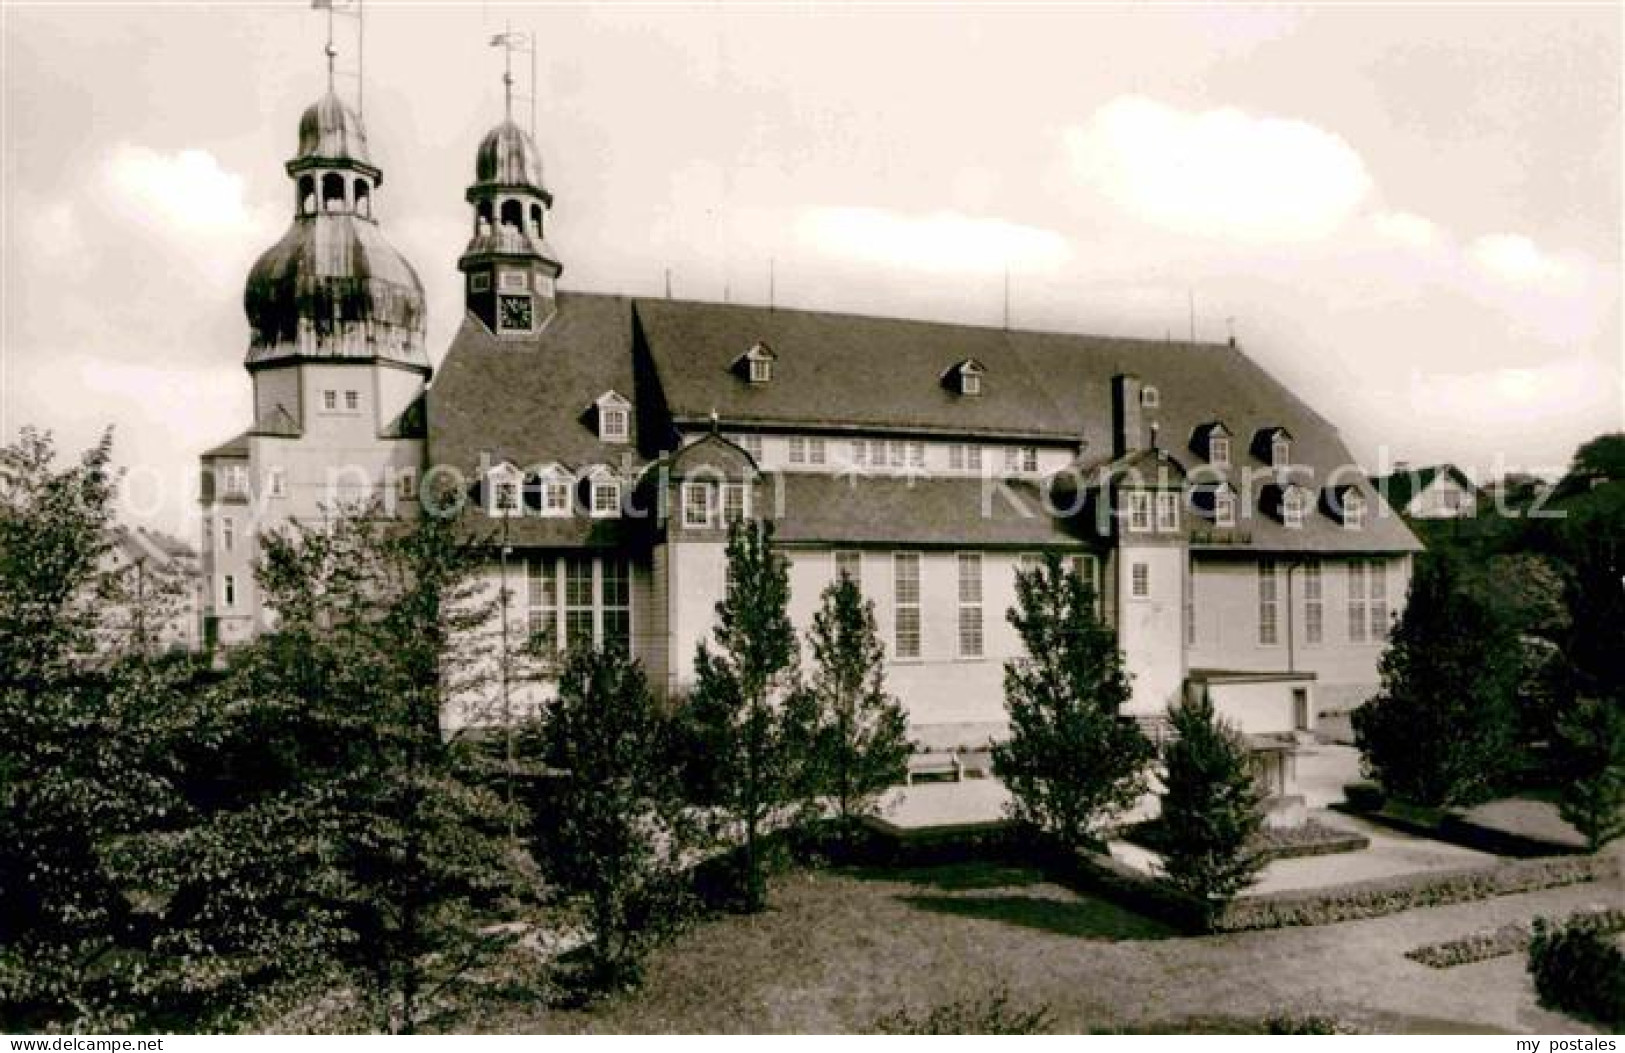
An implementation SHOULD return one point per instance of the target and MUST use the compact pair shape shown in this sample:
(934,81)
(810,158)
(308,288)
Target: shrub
(1591,755)
(1508,939)
(1578,971)
(993,1015)
(1365,796)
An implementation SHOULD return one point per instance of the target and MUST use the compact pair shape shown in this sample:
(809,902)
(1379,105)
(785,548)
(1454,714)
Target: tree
(371,843)
(1211,810)
(860,737)
(1591,759)
(746,721)
(1441,730)
(616,830)
(88,734)
(1071,761)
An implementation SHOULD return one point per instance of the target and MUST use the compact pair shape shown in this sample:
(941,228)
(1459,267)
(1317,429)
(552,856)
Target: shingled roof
(527,401)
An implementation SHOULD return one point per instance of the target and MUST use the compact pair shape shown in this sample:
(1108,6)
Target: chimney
(1127,429)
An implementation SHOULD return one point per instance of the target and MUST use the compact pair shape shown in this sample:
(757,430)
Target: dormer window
(553,491)
(1224,507)
(1218,451)
(606,497)
(1273,446)
(1347,505)
(1150,397)
(965,378)
(1293,506)
(614,417)
(503,491)
(756,364)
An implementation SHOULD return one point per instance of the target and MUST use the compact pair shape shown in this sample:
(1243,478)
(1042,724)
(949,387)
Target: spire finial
(510,40)
(350,9)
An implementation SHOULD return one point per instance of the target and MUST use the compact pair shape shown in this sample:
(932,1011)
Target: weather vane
(511,40)
(344,9)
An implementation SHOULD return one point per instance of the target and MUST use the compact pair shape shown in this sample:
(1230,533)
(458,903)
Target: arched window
(536,221)
(513,214)
(482,218)
(363,198)
(307,195)
(332,192)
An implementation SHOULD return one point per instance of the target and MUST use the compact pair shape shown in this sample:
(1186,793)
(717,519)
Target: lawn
(839,949)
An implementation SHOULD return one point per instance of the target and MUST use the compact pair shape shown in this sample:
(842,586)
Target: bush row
(1101,874)
(1509,939)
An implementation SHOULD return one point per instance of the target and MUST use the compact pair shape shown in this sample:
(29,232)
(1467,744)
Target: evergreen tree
(1071,761)
(616,830)
(1211,810)
(1591,761)
(746,721)
(1441,730)
(860,740)
(366,844)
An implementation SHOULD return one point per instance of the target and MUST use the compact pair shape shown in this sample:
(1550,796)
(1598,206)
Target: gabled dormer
(1287,503)
(1216,502)
(1273,446)
(502,490)
(1346,504)
(1211,442)
(601,491)
(552,485)
(755,366)
(612,417)
(965,377)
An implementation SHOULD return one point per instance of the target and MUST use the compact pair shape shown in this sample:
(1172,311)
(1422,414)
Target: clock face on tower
(513,313)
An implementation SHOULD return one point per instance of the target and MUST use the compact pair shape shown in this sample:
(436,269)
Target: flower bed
(1287,842)
(1509,939)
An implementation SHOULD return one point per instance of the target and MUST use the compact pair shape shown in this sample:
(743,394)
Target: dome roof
(508,157)
(330,131)
(332,287)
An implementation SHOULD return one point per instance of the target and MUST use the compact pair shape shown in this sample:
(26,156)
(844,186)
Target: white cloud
(1490,402)
(1515,259)
(186,190)
(1407,229)
(1218,173)
(936,242)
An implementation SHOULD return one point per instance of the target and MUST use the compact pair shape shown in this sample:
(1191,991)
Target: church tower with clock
(509,272)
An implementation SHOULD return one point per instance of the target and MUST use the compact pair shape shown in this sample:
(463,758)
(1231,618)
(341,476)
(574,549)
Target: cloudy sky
(1412,215)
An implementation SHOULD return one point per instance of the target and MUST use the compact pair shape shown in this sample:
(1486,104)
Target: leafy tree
(746,720)
(1441,730)
(371,847)
(860,738)
(1591,751)
(1071,761)
(1211,810)
(88,732)
(616,830)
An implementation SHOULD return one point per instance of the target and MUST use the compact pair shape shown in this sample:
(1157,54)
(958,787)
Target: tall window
(555,497)
(1167,511)
(860,453)
(964,457)
(228,533)
(505,496)
(330,400)
(1377,590)
(815,450)
(1140,581)
(1218,451)
(849,565)
(1359,609)
(542,602)
(1280,451)
(237,481)
(1021,459)
(697,501)
(761,371)
(615,423)
(1314,606)
(578,601)
(1224,507)
(1269,606)
(1292,506)
(1139,510)
(228,591)
(352,400)
(616,595)
(406,484)
(970,382)
(606,497)
(970,605)
(896,452)
(916,455)
(798,449)
(751,444)
(735,502)
(276,481)
(1353,510)
(906,570)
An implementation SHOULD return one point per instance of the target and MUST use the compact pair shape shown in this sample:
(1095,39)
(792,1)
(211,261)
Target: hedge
(1510,939)
(1360,899)
(1580,972)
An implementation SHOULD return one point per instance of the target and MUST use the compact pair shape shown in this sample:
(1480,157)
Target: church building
(608,441)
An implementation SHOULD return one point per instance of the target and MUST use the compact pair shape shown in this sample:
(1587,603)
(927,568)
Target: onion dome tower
(510,273)
(333,289)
